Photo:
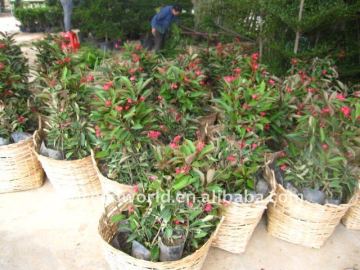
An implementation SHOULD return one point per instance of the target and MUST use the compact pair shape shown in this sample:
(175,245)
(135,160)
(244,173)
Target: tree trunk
(297,38)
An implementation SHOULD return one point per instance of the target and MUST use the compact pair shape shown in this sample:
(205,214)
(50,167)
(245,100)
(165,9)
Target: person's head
(176,10)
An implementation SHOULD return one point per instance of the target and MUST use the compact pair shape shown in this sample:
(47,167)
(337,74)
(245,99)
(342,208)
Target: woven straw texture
(241,220)
(352,218)
(112,191)
(301,222)
(119,260)
(70,178)
(19,167)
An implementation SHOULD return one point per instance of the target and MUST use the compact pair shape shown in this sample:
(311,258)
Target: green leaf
(118,218)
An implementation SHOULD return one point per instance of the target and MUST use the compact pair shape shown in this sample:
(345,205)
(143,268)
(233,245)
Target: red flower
(254,66)
(231,158)
(132,71)
(254,96)
(271,82)
(229,79)
(325,110)
(325,146)
(237,71)
(97,132)
(174,86)
(136,188)
(119,108)
(129,101)
(254,146)
(311,90)
(340,97)
(263,114)
(246,106)
(267,126)
(154,135)
(107,86)
(288,89)
(177,139)
(90,78)
(152,177)
(127,107)
(108,103)
(207,207)
(283,167)
(190,204)
(255,56)
(198,72)
(67,60)
(2,66)
(184,170)
(173,145)
(200,146)
(131,209)
(2,45)
(160,98)
(177,222)
(21,119)
(248,129)
(141,99)
(324,72)
(135,58)
(346,111)
(132,78)
(242,144)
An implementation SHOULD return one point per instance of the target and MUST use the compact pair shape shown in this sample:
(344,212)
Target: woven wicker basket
(119,260)
(19,167)
(112,191)
(351,219)
(241,220)
(301,222)
(70,178)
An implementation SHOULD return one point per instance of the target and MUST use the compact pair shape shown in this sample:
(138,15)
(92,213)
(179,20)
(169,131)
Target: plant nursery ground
(40,231)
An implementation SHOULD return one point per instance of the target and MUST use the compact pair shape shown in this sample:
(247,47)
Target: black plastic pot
(106,45)
(314,195)
(140,252)
(171,253)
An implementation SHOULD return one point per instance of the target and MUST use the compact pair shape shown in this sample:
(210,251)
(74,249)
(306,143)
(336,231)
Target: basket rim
(310,204)
(18,144)
(158,264)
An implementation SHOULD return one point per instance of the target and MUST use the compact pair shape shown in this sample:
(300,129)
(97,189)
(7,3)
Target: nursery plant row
(212,132)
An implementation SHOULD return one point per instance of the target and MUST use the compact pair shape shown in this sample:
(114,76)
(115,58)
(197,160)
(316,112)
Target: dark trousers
(159,40)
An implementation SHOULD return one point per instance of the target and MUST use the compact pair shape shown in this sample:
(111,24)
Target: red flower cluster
(229,79)
(200,146)
(346,111)
(21,119)
(175,142)
(183,170)
(254,61)
(97,132)
(108,103)
(208,207)
(154,135)
(107,86)
(135,58)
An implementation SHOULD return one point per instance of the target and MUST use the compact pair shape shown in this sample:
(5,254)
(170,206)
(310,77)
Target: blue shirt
(162,21)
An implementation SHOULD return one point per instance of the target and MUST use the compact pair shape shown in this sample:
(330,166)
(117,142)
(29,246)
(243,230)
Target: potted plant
(64,145)
(173,224)
(20,167)
(316,174)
